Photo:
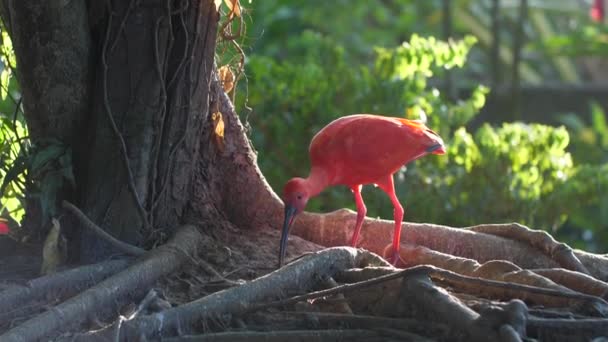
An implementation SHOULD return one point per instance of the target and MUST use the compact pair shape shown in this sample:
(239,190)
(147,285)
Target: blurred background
(518,89)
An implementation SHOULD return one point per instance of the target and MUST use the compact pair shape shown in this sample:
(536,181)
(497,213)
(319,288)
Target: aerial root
(107,296)
(560,252)
(20,301)
(90,225)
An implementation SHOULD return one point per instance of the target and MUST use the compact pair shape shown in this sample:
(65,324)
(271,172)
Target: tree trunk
(126,85)
(149,119)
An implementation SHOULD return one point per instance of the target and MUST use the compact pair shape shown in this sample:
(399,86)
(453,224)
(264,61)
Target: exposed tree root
(112,292)
(58,286)
(335,229)
(576,281)
(558,278)
(297,277)
(331,320)
(540,296)
(288,335)
(567,329)
(486,288)
(341,305)
(421,296)
(560,252)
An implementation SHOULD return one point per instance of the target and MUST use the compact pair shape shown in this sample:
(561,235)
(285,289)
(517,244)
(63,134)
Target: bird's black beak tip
(290,213)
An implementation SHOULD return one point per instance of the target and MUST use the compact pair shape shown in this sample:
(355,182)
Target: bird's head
(295,197)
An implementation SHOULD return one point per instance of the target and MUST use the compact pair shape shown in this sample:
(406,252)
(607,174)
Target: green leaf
(17,168)
(5,77)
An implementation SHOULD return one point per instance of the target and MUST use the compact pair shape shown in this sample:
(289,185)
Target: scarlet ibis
(356,150)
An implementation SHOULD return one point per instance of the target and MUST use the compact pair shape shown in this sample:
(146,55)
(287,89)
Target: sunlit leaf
(218,3)
(227,78)
(234,6)
(18,167)
(5,77)
(218,130)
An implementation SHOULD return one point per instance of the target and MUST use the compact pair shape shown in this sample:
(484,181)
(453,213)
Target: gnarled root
(335,229)
(18,301)
(556,278)
(296,277)
(109,294)
(560,252)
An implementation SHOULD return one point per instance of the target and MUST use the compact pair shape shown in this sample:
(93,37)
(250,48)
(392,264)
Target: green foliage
(358,25)
(13,136)
(12,167)
(306,74)
(590,39)
(305,96)
(589,135)
(498,174)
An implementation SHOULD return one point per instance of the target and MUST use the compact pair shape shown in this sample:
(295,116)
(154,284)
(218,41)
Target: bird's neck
(317,181)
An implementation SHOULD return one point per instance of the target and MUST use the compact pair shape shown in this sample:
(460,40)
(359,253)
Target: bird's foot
(395,258)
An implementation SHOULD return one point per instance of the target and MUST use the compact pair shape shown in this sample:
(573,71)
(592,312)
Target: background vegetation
(310,61)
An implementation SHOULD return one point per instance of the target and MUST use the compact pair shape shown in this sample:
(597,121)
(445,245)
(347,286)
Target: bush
(508,173)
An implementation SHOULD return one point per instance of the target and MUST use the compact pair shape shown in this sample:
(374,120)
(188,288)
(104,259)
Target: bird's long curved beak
(436,149)
(290,214)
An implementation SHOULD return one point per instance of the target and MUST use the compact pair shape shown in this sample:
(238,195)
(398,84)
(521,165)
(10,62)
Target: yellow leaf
(234,6)
(227,78)
(218,130)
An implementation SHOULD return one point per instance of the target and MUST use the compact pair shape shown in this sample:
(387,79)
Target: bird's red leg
(361,211)
(388,186)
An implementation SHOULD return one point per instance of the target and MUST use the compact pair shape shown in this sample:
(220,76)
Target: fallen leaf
(227,78)
(218,130)
(234,6)
(54,250)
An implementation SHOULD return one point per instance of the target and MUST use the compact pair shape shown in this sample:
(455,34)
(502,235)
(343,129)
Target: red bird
(356,150)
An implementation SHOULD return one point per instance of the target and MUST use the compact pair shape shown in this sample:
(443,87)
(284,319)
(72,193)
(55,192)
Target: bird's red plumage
(362,148)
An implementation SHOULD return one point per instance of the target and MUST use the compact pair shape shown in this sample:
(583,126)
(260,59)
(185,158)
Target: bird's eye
(299,197)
